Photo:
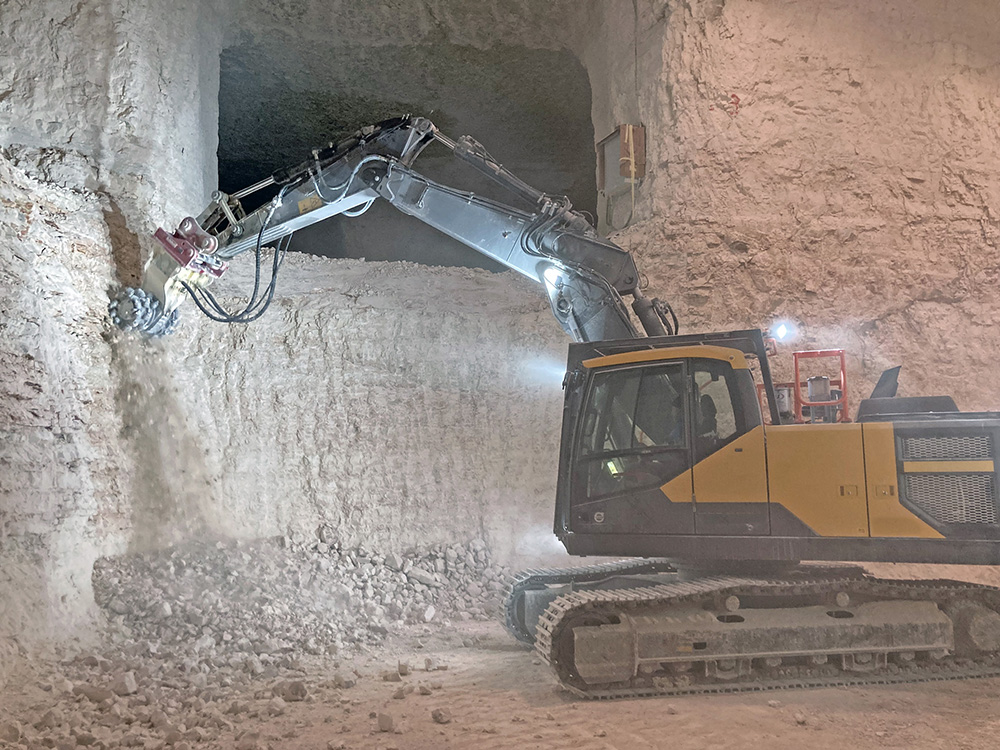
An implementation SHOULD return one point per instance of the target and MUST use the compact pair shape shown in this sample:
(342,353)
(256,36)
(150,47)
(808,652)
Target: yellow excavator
(730,495)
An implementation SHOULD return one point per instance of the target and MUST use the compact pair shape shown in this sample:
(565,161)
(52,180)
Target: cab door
(730,468)
(634,438)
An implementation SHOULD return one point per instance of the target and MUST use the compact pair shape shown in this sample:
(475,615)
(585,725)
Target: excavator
(739,518)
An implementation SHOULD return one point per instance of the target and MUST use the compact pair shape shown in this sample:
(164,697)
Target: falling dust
(172,487)
(539,544)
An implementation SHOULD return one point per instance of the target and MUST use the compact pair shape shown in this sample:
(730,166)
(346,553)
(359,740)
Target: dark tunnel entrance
(529,107)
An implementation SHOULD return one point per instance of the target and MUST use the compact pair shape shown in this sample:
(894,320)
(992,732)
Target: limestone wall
(63,469)
(131,87)
(107,127)
(396,403)
(830,162)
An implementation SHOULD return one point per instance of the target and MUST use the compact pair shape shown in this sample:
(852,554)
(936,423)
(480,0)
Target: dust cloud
(172,486)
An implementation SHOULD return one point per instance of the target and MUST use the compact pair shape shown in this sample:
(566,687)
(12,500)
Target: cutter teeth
(136,310)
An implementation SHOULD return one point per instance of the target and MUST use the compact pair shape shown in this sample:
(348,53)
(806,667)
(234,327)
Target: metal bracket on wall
(617,187)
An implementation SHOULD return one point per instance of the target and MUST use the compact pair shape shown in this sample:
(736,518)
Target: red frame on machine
(799,400)
(841,383)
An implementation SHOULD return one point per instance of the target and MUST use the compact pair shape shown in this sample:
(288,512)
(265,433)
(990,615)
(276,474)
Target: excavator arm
(585,277)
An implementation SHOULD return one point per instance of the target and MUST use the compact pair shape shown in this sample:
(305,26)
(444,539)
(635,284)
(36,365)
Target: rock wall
(63,501)
(112,445)
(131,87)
(397,404)
(111,105)
(834,163)
(299,76)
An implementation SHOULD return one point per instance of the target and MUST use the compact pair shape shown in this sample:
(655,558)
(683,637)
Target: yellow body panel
(886,515)
(734,357)
(736,473)
(680,489)
(916,467)
(818,473)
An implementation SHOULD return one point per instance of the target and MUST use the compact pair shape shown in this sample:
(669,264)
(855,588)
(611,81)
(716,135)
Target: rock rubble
(208,641)
(268,601)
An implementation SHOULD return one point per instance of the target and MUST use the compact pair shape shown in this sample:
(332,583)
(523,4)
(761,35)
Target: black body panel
(874,407)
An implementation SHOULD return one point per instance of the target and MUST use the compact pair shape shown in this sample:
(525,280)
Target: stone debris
(10,731)
(385,722)
(173,737)
(276,706)
(125,684)
(207,640)
(249,741)
(94,693)
(291,690)
(50,720)
(271,597)
(423,576)
(341,681)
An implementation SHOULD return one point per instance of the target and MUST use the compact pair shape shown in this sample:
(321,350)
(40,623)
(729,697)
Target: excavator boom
(584,276)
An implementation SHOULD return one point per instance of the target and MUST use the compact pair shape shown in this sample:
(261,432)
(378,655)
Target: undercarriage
(648,628)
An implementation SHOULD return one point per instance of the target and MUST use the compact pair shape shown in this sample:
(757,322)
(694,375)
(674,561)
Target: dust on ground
(484,691)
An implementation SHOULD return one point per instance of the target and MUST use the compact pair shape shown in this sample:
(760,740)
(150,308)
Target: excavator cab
(639,458)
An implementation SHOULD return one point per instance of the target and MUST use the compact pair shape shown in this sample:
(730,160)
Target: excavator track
(922,631)
(511,613)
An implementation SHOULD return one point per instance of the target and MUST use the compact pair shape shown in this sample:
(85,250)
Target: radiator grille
(953,498)
(962,447)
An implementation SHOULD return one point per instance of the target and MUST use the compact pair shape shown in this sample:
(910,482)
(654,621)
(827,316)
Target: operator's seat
(706,435)
(707,423)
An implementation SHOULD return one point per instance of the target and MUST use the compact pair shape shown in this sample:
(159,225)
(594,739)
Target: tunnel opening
(529,107)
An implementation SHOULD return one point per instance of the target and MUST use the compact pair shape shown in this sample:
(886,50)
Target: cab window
(723,405)
(634,431)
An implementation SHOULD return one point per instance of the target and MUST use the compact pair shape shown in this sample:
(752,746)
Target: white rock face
(394,403)
(387,404)
(833,163)
(63,498)
(132,86)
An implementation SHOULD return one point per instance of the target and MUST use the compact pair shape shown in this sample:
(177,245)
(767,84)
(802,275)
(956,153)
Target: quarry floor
(498,695)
